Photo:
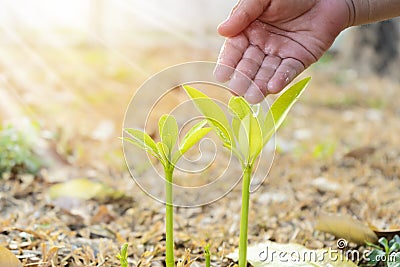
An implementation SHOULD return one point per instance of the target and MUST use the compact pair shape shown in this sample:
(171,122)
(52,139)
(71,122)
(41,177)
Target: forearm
(368,11)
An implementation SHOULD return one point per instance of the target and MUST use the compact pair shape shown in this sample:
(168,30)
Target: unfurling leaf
(194,135)
(142,140)
(168,128)
(280,108)
(213,113)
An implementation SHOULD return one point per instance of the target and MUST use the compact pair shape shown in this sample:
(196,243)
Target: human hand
(273,41)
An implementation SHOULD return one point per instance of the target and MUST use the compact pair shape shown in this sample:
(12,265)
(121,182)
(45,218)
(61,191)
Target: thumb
(244,13)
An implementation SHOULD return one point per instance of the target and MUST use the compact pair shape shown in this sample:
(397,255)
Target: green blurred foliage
(16,153)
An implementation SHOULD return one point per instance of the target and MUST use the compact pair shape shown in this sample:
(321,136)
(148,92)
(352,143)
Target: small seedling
(168,154)
(17,155)
(123,256)
(388,253)
(246,136)
(207,255)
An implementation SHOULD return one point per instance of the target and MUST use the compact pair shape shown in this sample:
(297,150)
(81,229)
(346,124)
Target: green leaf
(281,107)
(250,137)
(243,137)
(195,134)
(239,107)
(256,138)
(123,255)
(163,151)
(213,113)
(384,242)
(375,255)
(236,127)
(142,140)
(168,128)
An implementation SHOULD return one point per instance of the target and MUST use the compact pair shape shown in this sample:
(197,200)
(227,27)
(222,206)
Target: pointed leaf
(239,107)
(281,107)
(213,113)
(168,128)
(195,134)
(142,140)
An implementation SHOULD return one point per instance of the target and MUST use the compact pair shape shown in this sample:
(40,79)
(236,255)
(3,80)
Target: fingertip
(226,28)
(286,72)
(253,96)
(275,85)
(239,83)
(222,73)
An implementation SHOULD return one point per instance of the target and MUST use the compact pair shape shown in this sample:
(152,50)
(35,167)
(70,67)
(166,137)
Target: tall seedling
(246,136)
(168,153)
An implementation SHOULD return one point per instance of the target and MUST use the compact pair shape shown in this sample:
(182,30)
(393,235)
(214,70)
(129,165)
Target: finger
(258,89)
(230,55)
(285,73)
(246,70)
(244,13)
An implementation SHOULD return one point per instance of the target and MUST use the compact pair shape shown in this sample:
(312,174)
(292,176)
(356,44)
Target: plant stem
(169,217)
(244,218)
(207,255)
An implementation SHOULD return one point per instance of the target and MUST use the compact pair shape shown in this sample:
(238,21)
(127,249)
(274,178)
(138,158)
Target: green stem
(244,219)
(169,217)
(207,255)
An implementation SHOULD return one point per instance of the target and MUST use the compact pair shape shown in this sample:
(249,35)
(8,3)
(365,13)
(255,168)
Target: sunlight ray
(13,103)
(117,53)
(35,57)
(164,25)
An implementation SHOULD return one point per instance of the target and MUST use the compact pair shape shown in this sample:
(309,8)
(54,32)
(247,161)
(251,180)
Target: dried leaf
(346,227)
(82,188)
(360,153)
(7,258)
(103,215)
(386,233)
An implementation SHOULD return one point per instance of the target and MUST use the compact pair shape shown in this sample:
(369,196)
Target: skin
(270,42)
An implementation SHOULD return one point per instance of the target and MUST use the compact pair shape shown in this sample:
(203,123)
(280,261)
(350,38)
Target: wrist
(359,12)
(368,11)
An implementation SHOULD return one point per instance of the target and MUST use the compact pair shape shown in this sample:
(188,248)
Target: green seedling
(17,155)
(387,252)
(123,256)
(168,153)
(207,255)
(245,136)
